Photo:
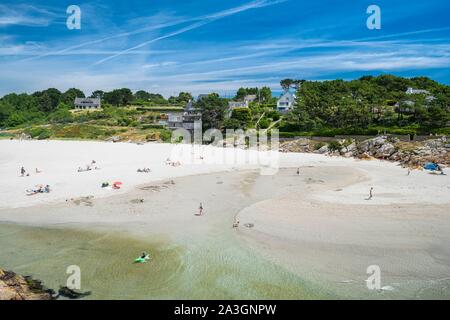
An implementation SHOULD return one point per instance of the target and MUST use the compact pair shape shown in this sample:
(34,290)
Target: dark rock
(72,294)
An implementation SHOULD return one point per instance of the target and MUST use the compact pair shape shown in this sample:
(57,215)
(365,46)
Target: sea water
(214,271)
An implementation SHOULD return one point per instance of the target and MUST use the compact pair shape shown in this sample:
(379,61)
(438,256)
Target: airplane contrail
(213,16)
(203,21)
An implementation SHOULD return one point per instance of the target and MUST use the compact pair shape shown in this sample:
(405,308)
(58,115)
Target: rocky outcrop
(114,139)
(413,154)
(298,145)
(24,136)
(16,287)
(428,151)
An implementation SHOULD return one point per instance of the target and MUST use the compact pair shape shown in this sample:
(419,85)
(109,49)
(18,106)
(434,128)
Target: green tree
(265,94)
(61,114)
(213,109)
(98,94)
(119,97)
(48,100)
(184,97)
(241,93)
(69,96)
(243,115)
(142,95)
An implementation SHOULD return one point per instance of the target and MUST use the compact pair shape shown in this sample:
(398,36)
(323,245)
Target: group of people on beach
(38,188)
(89,167)
(24,173)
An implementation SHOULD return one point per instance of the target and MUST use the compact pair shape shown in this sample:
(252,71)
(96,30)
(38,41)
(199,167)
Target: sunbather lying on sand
(145,170)
(172,163)
(40,189)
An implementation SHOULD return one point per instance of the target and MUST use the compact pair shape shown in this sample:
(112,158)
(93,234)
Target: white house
(286,102)
(87,103)
(416,91)
(236,105)
(428,97)
(250,98)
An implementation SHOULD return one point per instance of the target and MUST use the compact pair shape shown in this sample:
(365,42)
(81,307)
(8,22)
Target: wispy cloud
(165,47)
(203,21)
(173,21)
(25,15)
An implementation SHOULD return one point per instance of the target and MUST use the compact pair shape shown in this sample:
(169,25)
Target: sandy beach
(304,236)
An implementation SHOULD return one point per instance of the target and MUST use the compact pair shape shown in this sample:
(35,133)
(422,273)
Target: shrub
(319,145)
(39,133)
(334,146)
(242,114)
(264,123)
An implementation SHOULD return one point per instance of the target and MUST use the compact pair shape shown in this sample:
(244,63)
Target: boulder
(371,145)
(322,150)
(351,147)
(24,136)
(114,139)
(16,287)
(379,141)
(385,151)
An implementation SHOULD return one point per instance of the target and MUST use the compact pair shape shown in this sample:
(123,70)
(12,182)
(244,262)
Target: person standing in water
(200,209)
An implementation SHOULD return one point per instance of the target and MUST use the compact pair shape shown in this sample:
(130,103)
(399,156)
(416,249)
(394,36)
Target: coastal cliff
(17,287)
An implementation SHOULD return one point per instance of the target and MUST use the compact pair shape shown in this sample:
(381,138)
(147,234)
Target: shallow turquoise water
(213,271)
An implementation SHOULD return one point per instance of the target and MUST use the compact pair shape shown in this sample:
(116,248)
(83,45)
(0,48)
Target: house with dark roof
(87,103)
(190,119)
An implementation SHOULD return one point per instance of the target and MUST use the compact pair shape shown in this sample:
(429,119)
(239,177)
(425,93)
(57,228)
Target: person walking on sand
(200,209)
(22,172)
(298,171)
(370,194)
(409,171)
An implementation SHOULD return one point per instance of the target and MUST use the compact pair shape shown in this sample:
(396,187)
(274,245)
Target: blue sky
(201,46)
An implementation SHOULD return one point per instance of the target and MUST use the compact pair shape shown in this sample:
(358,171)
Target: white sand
(59,161)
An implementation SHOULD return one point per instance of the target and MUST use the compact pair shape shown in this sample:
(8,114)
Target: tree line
(350,106)
(52,104)
(367,102)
